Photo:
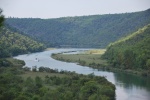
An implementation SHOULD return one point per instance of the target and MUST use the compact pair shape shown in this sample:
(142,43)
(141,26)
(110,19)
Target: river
(128,87)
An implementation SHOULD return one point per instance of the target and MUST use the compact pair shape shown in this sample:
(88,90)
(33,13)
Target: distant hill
(13,43)
(131,52)
(84,31)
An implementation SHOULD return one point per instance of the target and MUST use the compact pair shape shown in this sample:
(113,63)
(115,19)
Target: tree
(1,17)
(148,64)
(38,82)
(89,89)
(129,59)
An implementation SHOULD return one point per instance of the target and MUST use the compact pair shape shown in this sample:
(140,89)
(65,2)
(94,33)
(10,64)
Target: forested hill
(131,52)
(84,31)
(12,43)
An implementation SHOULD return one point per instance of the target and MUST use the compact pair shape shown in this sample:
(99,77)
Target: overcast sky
(64,8)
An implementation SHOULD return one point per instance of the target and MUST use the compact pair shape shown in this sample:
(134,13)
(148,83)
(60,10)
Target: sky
(67,8)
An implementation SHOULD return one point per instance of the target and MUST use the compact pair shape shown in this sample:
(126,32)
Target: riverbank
(47,49)
(127,85)
(92,58)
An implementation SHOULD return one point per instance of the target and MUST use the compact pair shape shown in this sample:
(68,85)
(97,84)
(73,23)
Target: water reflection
(129,81)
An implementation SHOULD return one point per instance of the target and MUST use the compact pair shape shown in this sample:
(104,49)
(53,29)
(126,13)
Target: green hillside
(131,52)
(84,31)
(13,43)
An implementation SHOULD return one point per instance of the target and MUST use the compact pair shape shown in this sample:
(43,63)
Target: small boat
(36,59)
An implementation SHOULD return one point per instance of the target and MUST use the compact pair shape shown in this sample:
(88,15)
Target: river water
(128,87)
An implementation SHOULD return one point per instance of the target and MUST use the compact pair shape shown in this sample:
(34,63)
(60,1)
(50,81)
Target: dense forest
(84,31)
(131,52)
(48,84)
(13,43)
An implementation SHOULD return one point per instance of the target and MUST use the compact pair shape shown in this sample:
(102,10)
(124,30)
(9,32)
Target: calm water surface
(128,87)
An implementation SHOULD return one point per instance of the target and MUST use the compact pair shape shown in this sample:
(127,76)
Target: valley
(106,73)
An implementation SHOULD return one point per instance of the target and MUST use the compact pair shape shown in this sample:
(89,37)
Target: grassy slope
(132,52)
(13,43)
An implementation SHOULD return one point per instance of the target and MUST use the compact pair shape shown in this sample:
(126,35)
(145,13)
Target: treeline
(13,43)
(62,86)
(84,31)
(131,52)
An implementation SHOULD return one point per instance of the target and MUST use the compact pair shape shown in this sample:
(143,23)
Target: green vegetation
(8,62)
(16,84)
(42,75)
(131,53)
(85,31)
(91,58)
(1,18)
(13,43)
(95,51)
